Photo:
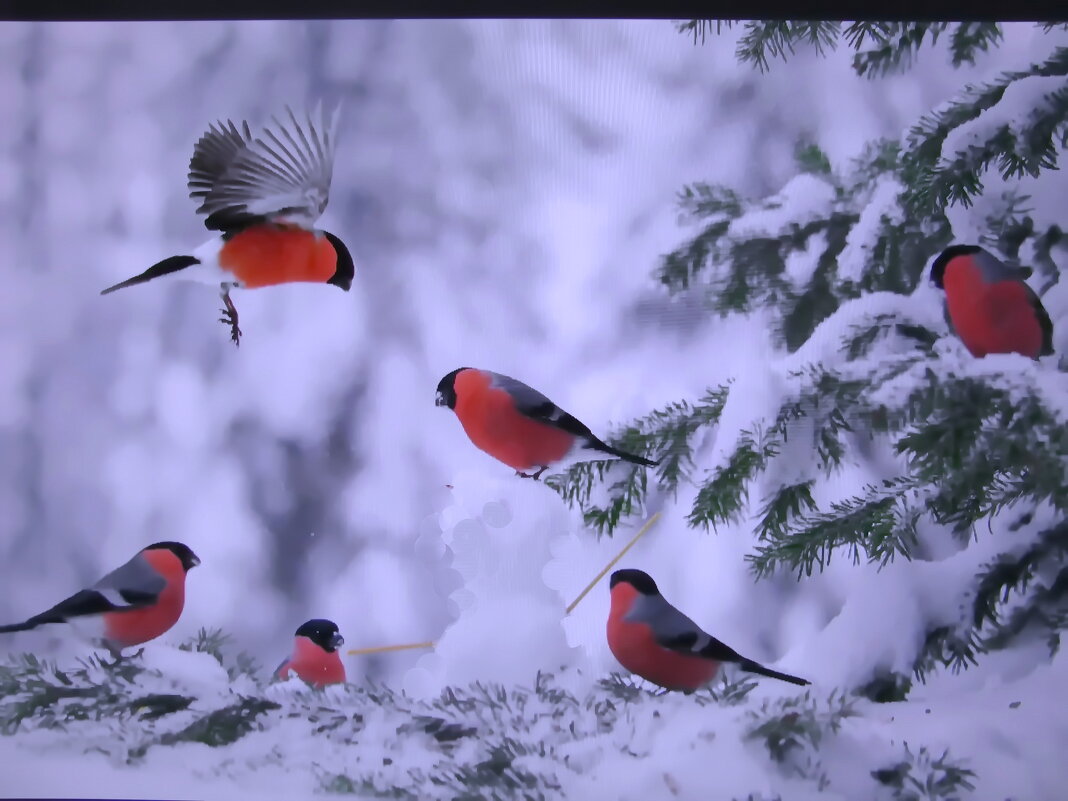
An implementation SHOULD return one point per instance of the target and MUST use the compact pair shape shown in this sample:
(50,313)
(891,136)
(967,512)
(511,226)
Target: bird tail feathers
(627,457)
(169,265)
(753,667)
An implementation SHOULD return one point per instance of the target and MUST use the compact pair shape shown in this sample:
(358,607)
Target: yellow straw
(641,532)
(384,648)
(571,607)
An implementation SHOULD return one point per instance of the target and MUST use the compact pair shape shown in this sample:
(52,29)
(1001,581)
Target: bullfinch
(315,658)
(654,640)
(262,195)
(518,425)
(989,305)
(135,603)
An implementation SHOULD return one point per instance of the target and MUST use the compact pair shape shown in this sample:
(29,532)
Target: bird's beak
(337,641)
(439,399)
(194,562)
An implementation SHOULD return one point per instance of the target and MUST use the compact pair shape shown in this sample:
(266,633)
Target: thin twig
(641,532)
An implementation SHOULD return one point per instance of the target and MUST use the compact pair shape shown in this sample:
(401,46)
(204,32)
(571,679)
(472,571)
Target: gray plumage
(994,270)
(136,579)
(527,399)
(671,627)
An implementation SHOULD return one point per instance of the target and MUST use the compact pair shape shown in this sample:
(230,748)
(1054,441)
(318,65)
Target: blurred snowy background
(506,189)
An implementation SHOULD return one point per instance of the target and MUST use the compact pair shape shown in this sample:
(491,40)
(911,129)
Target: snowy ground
(506,189)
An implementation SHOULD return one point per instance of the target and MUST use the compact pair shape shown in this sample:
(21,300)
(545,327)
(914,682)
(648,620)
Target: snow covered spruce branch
(479,740)
(870,381)
(881,47)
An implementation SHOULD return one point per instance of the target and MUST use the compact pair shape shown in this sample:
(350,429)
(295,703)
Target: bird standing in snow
(654,640)
(315,658)
(990,306)
(518,425)
(135,603)
(263,197)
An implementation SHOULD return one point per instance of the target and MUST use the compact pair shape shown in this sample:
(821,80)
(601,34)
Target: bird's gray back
(526,398)
(994,270)
(137,575)
(667,622)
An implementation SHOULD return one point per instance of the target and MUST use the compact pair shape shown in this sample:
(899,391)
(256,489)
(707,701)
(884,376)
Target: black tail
(597,445)
(169,265)
(26,626)
(753,667)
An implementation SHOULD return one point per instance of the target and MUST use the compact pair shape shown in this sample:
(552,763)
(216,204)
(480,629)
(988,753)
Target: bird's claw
(534,476)
(229,317)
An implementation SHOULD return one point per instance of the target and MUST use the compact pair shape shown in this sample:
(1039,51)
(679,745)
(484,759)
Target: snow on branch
(547,737)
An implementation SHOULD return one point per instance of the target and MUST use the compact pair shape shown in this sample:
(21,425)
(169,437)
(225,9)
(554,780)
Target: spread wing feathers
(536,406)
(131,586)
(283,174)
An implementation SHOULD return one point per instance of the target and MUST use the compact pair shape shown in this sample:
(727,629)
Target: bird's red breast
(137,626)
(494,424)
(990,317)
(273,253)
(312,664)
(635,647)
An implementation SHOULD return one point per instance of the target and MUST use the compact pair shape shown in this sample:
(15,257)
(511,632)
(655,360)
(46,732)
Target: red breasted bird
(135,603)
(518,425)
(315,658)
(989,305)
(653,639)
(263,197)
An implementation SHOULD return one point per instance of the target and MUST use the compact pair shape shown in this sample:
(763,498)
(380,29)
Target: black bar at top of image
(888,10)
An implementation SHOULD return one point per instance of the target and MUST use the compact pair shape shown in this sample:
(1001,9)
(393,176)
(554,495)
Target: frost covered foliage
(548,737)
(874,435)
(830,235)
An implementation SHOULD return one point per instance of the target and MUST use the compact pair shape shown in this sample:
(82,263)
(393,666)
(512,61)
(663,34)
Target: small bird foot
(117,657)
(229,316)
(534,476)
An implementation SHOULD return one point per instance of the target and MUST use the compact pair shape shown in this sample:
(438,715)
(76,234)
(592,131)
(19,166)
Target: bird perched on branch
(263,195)
(315,658)
(654,640)
(989,305)
(518,425)
(132,604)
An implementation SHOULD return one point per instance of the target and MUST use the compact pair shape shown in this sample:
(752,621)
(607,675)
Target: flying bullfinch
(136,602)
(653,639)
(989,305)
(315,658)
(518,425)
(263,197)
